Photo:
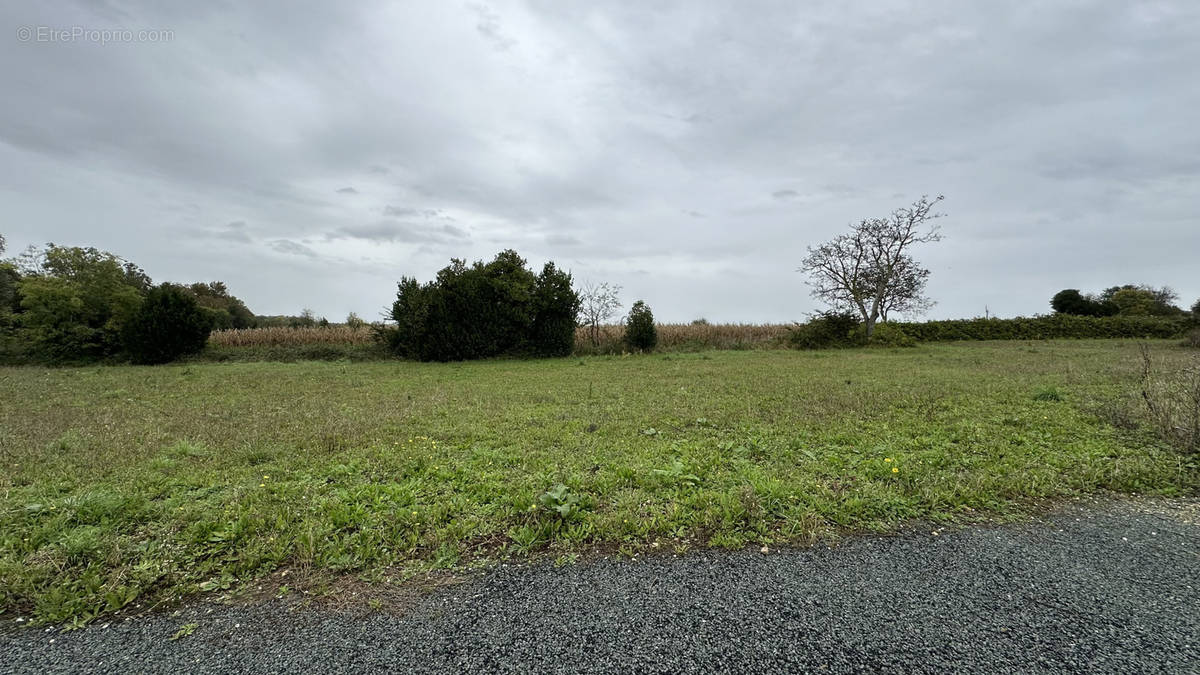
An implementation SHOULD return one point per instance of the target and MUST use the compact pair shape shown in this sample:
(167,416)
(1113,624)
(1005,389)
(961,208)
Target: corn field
(677,336)
(282,336)
(609,339)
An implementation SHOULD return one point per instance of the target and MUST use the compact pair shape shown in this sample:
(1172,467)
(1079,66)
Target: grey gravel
(1102,587)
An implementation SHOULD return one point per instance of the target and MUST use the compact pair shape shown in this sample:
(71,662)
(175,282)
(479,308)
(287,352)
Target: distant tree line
(1126,300)
(65,304)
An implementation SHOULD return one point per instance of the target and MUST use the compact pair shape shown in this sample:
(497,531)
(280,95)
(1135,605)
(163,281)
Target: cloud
(488,26)
(562,240)
(293,248)
(595,134)
(394,231)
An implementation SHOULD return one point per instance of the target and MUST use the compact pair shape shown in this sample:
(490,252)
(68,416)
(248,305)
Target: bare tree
(598,304)
(869,270)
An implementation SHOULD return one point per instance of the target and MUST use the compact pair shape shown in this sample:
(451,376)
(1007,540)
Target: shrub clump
(640,332)
(828,330)
(168,324)
(890,335)
(1192,339)
(499,308)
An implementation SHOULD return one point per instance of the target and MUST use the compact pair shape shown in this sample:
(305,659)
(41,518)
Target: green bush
(888,334)
(828,330)
(1054,326)
(74,302)
(640,332)
(169,324)
(1192,339)
(555,313)
(500,308)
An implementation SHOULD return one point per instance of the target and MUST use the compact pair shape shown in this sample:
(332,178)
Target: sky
(311,154)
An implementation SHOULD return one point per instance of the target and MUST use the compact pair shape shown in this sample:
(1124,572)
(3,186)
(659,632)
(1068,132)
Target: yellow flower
(262,485)
(414,513)
(887,459)
(895,470)
(265,476)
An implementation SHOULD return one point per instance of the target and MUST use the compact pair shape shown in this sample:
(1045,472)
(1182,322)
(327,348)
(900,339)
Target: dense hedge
(1047,327)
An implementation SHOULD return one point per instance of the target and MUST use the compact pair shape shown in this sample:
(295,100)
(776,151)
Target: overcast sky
(310,154)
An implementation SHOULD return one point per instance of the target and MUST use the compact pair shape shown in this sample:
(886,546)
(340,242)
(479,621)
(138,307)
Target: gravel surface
(1098,587)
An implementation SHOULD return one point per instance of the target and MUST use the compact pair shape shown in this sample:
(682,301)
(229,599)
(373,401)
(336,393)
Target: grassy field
(137,485)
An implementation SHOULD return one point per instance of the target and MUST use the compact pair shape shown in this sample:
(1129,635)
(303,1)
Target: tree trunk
(870,324)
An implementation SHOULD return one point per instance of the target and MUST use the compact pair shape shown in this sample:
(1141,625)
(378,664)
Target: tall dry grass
(281,336)
(671,337)
(684,336)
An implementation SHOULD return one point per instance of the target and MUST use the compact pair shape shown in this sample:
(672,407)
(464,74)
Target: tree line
(62,304)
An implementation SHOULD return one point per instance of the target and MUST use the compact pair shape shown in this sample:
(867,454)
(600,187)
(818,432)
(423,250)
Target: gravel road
(1109,586)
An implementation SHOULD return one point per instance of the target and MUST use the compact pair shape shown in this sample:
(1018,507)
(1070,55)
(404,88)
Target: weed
(560,500)
(676,474)
(184,631)
(1047,394)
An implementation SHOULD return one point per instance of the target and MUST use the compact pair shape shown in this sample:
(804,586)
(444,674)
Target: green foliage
(1071,301)
(487,309)
(169,324)
(888,334)
(1054,326)
(1142,300)
(1191,339)
(555,313)
(560,500)
(224,310)
(640,332)
(74,302)
(676,474)
(828,330)
(1047,394)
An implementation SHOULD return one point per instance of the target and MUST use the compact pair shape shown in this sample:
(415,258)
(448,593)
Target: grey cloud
(347,191)
(488,26)
(394,231)
(553,124)
(293,248)
(562,240)
(410,212)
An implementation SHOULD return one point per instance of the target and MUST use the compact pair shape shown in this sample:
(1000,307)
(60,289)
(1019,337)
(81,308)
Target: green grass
(144,484)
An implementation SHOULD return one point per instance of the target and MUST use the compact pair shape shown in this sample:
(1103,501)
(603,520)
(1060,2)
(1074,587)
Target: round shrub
(640,333)
(168,324)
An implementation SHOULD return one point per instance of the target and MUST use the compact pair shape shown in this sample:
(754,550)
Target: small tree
(598,304)
(640,333)
(555,313)
(168,324)
(869,271)
(354,322)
